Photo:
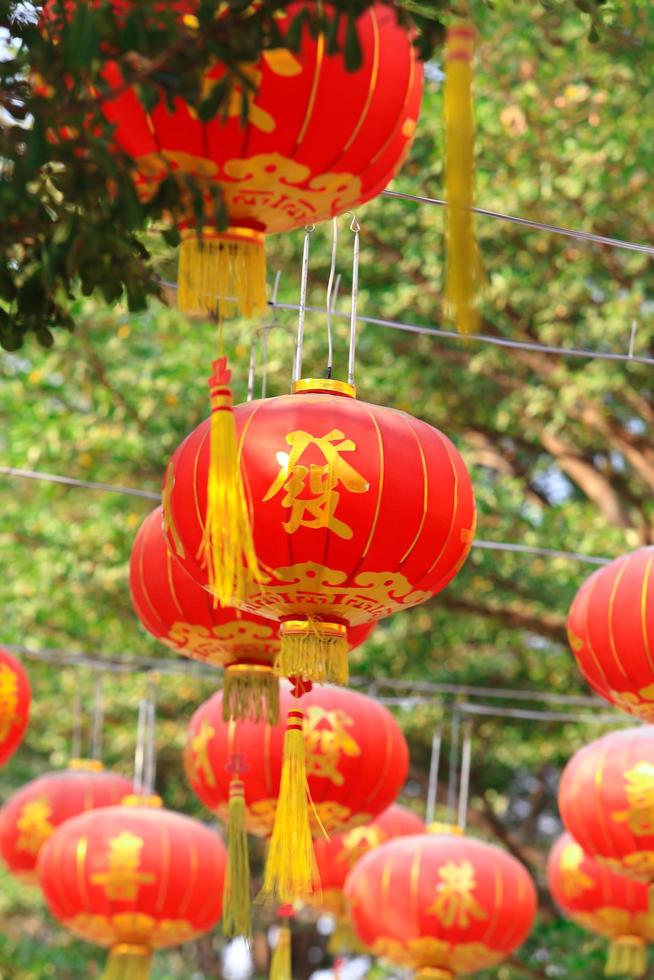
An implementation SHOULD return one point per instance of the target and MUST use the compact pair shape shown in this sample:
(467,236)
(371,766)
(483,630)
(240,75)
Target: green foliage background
(560,449)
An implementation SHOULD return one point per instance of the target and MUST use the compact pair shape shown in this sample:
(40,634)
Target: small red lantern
(441,905)
(611,632)
(358,511)
(604,902)
(133,878)
(357,760)
(337,857)
(175,609)
(14,705)
(30,817)
(606,799)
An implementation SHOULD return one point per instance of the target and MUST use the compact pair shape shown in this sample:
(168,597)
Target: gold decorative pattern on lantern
(123,878)
(327,738)
(575,881)
(234,639)
(197,755)
(34,826)
(639,787)
(311,491)
(616,922)
(641,703)
(8,699)
(260,817)
(132,927)
(421,954)
(455,903)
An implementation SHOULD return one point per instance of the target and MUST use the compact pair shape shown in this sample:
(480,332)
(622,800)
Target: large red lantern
(175,609)
(358,511)
(30,817)
(611,632)
(441,905)
(336,857)
(606,799)
(604,902)
(317,141)
(357,760)
(14,705)
(135,879)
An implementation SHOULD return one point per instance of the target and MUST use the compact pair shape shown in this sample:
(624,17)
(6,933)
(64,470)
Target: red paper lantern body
(14,705)
(606,799)
(358,511)
(30,817)
(357,759)
(442,904)
(336,857)
(604,902)
(134,875)
(611,632)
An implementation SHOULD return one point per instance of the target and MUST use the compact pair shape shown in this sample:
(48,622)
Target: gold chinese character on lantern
(8,699)
(34,826)
(358,842)
(455,902)
(198,759)
(311,491)
(575,881)
(122,879)
(639,787)
(327,738)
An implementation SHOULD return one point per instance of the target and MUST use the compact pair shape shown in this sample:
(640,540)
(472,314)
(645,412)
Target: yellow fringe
(227,548)
(462,264)
(627,958)
(280,964)
(237,909)
(128,962)
(314,650)
(251,694)
(223,274)
(344,939)
(291,867)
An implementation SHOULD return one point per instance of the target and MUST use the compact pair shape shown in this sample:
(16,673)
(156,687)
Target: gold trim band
(131,949)
(249,668)
(134,799)
(325,386)
(445,828)
(229,235)
(293,627)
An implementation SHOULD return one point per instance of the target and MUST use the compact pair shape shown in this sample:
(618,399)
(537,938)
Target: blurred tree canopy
(559,448)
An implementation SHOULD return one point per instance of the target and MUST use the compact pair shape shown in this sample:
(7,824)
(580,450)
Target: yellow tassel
(222,274)
(291,868)
(462,264)
(315,650)
(251,693)
(237,911)
(627,957)
(227,548)
(280,964)
(344,939)
(127,962)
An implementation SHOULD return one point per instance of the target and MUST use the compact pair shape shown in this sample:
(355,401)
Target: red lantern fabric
(356,756)
(611,632)
(606,799)
(134,876)
(30,817)
(336,857)
(441,905)
(358,511)
(604,902)
(14,705)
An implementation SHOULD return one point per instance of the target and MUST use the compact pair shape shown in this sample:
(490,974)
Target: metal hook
(632,339)
(464,782)
(297,367)
(432,786)
(355,227)
(330,299)
(262,334)
(98,719)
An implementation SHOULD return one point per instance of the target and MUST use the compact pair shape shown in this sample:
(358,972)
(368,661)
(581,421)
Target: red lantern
(441,905)
(605,903)
(14,705)
(357,759)
(318,141)
(135,879)
(358,511)
(175,609)
(611,632)
(606,799)
(337,857)
(30,817)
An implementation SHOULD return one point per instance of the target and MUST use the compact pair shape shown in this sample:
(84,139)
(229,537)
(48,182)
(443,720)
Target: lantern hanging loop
(355,228)
(464,781)
(76,736)
(139,753)
(97,719)
(331,298)
(150,760)
(455,737)
(261,334)
(297,368)
(434,765)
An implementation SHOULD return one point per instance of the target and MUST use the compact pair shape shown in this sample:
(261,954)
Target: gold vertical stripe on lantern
(462,261)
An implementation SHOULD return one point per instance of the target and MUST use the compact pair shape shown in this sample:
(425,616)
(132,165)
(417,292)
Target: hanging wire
(464,782)
(97,720)
(261,334)
(331,298)
(524,714)
(139,754)
(70,481)
(76,737)
(355,227)
(150,764)
(432,786)
(455,733)
(297,367)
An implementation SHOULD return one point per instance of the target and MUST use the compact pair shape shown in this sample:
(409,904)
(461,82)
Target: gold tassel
(313,649)
(462,262)
(280,964)
(222,273)
(627,957)
(291,867)
(251,693)
(128,962)
(344,939)
(237,911)
(227,548)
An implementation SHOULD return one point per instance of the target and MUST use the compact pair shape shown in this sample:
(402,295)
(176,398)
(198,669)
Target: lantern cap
(131,949)
(86,765)
(139,799)
(247,667)
(445,828)
(323,386)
